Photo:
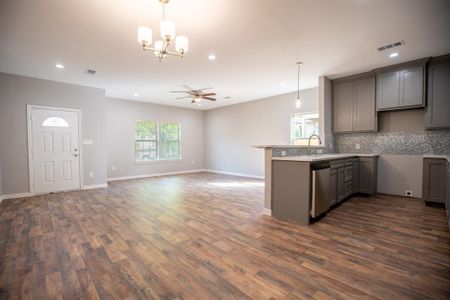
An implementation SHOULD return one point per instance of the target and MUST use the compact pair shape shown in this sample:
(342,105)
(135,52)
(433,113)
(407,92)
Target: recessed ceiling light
(283,84)
(211,57)
(136,94)
(394,54)
(59,66)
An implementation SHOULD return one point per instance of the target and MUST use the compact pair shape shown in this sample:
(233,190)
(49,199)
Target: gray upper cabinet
(342,106)
(364,115)
(437,113)
(401,86)
(388,90)
(354,104)
(411,87)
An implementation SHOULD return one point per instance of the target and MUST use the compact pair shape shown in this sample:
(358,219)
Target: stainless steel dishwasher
(320,188)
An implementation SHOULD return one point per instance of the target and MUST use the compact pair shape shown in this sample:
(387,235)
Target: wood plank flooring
(202,236)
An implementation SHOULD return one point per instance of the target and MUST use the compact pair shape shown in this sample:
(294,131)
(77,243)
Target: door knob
(76,155)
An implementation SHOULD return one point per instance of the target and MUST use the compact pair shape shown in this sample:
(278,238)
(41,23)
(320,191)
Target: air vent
(90,71)
(390,46)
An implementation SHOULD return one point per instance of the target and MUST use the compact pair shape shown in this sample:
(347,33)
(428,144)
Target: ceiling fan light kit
(196,95)
(167,30)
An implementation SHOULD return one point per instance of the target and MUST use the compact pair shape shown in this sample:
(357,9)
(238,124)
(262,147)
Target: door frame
(30,108)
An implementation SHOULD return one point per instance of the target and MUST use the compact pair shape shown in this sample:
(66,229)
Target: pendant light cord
(298,80)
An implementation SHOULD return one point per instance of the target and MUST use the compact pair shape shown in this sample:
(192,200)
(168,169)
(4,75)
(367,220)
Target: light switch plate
(88,142)
(358,146)
(283,153)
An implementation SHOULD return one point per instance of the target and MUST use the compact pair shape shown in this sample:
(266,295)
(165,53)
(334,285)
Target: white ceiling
(257,43)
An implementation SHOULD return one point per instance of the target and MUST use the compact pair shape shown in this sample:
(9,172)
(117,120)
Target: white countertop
(320,157)
(447,157)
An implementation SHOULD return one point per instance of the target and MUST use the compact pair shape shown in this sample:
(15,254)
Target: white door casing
(54,149)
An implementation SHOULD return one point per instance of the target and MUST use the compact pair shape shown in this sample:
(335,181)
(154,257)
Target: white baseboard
(236,174)
(95,186)
(154,175)
(267,211)
(14,196)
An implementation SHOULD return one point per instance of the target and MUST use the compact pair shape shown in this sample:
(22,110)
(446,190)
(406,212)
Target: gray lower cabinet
(401,87)
(354,104)
(437,113)
(434,180)
(341,184)
(355,175)
(447,205)
(333,186)
(368,175)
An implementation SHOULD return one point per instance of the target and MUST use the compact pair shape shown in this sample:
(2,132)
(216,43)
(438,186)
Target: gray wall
(121,116)
(1,190)
(18,91)
(231,131)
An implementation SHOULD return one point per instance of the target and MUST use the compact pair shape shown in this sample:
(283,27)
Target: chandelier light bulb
(298,103)
(167,30)
(144,35)
(182,44)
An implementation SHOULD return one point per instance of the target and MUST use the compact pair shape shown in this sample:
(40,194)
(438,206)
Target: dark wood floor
(202,236)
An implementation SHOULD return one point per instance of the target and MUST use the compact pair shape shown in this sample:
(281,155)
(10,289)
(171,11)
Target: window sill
(157,161)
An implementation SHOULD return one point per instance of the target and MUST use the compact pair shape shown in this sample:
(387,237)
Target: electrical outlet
(193,162)
(283,153)
(91,175)
(319,151)
(113,168)
(408,193)
(358,146)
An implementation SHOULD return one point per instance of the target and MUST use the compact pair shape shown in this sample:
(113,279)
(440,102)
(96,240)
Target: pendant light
(298,101)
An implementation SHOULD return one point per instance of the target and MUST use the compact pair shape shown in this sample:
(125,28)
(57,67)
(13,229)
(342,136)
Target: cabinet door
(333,186)
(355,175)
(364,115)
(367,175)
(411,87)
(438,109)
(341,184)
(388,90)
(342,106)
(434,180)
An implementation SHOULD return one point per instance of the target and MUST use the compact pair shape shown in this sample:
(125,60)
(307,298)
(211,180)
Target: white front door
(54,150)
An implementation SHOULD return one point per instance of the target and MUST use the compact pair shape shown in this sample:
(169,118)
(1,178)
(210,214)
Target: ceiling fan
(197,95)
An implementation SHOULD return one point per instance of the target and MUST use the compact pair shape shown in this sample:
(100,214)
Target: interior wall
(18,91)
(231,131)
(121,116)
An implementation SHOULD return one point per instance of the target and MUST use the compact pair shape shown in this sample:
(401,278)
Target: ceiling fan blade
(186,97)
(178,91)
(187,87)
(209,94)
(204,89)
(209,98)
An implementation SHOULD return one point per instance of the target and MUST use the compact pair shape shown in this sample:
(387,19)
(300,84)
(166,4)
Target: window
(55,122)
(303,126)
(157,141)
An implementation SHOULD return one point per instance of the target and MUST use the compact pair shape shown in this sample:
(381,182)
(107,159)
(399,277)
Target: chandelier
(167,29)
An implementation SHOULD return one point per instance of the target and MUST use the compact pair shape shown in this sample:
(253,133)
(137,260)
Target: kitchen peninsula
(301,187)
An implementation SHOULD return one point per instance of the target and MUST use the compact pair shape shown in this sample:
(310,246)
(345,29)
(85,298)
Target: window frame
(292,138)
(158,159)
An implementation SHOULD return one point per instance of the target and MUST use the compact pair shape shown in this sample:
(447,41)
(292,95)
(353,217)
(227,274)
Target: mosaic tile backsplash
(389,143)
(396,143)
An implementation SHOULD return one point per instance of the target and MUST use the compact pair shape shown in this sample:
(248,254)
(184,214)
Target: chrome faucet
(309,141)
